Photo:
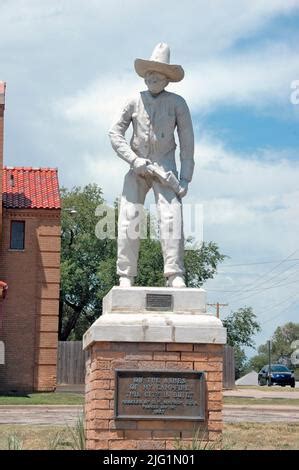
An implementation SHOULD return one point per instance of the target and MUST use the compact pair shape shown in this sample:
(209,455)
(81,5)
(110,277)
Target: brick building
(29,264)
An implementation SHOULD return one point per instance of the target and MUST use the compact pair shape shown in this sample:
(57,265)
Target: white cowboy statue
(154,114)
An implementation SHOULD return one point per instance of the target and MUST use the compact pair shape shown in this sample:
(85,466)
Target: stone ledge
(156,328)
(133,300)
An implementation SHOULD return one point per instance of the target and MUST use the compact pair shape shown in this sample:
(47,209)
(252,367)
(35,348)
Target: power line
(277,274)
(257,290)
(274,306)
(247,287)
(291,274)
(257,262)
(279,313)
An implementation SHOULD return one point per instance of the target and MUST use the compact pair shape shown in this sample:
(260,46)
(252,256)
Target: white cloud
(89,113)
(114,32)
(259,78)
(246,16)
(248,200)
(97,105)
(256,175)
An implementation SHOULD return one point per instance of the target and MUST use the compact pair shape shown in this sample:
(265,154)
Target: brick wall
(1,159)
(103,432)
(30,320)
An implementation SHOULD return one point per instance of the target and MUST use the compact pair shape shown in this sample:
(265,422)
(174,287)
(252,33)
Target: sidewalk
(262,392)
(55,415)
(40,414)
(72,388)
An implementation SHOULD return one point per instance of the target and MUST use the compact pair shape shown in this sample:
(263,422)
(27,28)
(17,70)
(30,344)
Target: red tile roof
(2,88)
(30,188)
(2,92)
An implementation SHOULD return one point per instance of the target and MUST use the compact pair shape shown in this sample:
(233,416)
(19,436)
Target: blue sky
(245,129)
(68,65)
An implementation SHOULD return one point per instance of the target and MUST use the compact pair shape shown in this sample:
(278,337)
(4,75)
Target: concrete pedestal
(130,336)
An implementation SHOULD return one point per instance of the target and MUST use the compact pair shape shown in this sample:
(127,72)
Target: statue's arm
(186,139)
(117,134)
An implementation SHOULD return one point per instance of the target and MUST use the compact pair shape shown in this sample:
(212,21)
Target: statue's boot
(126,281)
(176,280)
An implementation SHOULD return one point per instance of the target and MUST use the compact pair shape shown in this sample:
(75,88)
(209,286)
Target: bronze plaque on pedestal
(159,302)
(160,394)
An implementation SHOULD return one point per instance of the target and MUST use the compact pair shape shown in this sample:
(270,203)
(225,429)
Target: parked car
(279,375)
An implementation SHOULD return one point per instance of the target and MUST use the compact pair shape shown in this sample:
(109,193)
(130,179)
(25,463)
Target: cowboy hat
(159,62)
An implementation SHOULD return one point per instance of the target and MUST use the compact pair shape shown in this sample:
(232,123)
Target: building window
(17,235)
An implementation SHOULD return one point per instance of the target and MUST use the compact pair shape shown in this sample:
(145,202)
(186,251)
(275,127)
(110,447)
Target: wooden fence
(71,364)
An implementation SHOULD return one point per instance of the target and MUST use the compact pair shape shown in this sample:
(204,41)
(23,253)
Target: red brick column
(104,432)
(2,106)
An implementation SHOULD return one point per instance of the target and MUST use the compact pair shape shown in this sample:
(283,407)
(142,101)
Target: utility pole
(218,305)
(269,371)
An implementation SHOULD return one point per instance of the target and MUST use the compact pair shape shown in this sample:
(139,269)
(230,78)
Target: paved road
(63,415)
(40,414)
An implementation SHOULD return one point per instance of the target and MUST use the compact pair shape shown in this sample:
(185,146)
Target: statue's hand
(139,166)
(184,188)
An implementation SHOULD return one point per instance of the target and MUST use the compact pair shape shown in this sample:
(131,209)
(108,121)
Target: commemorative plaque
(159,302)
(163,394)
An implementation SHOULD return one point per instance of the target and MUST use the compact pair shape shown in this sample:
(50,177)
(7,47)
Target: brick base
(104,432)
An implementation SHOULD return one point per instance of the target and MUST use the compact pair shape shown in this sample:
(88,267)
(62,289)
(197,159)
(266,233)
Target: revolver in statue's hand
(139,166)
(167,178)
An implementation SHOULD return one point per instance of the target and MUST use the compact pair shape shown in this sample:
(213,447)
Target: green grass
(43,399)
(261,436)
(32,437)
(260,401)
(17,437)
(78,399)
(198,442)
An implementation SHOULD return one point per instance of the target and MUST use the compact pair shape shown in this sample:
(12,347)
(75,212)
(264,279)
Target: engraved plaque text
(159,395)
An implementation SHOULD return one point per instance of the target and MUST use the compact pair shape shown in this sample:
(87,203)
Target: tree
(258,361)
(81,255)
(201,263)
(240,361)
(241,327)
(88,263)
(281,346)
(282,340)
